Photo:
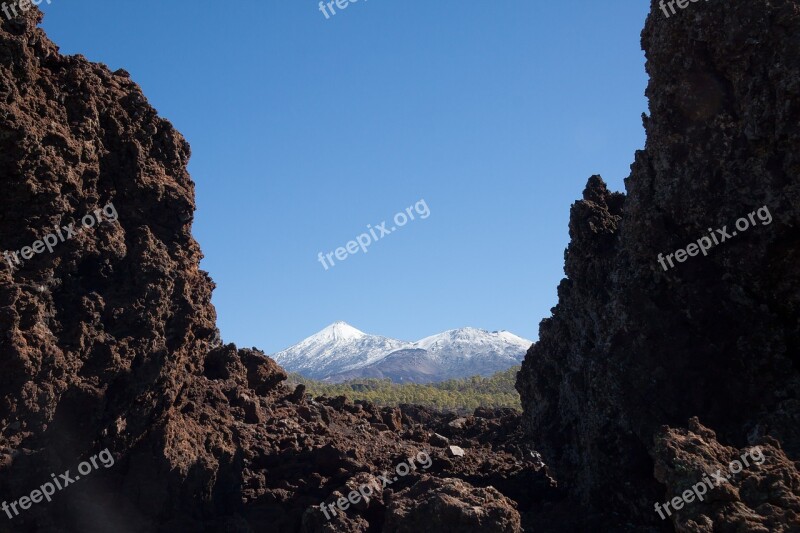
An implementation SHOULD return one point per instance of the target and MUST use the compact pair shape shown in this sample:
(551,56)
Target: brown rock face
(100,335)
(109,342)
(632,346)
(752,489)
(451,505)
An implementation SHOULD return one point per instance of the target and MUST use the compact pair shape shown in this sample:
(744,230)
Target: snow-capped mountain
(338,348)
(457,346)
(341,352)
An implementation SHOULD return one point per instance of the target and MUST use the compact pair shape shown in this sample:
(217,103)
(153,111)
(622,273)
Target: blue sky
(304,130)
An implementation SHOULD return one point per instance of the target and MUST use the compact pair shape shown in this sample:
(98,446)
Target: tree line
(459,395)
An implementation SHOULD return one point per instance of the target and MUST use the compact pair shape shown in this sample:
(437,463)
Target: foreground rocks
(632,347)
(752,489)
(450,505)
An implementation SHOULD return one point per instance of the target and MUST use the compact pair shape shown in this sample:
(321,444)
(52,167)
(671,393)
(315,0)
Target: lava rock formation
(632,349)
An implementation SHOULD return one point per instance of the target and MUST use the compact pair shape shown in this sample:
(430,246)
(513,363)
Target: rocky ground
(109,341)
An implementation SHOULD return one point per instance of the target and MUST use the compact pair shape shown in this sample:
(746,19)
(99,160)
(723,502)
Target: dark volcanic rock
(450,506)
(110,342)
(631,347)
(760,492)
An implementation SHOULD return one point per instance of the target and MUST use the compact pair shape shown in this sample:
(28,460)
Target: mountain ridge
(340,351)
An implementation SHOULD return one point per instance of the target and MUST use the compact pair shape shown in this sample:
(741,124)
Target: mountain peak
(341,331)
(473,340)
(337,348)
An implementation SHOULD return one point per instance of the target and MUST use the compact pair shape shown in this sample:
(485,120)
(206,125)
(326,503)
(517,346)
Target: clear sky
(304,130)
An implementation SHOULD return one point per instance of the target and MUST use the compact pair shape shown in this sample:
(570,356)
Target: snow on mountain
(402,366)
(473,343)
(341,352)
(338,348)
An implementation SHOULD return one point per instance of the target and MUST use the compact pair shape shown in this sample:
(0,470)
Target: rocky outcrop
(108,341)
(451,505)
(752,489)
(633,345)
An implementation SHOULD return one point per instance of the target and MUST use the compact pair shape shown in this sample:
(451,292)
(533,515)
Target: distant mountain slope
(338,348)
(471,351)
(411,365)
(341,352)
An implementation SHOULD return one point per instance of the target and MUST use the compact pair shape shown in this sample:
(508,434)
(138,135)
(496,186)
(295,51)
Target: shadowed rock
(631,346)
